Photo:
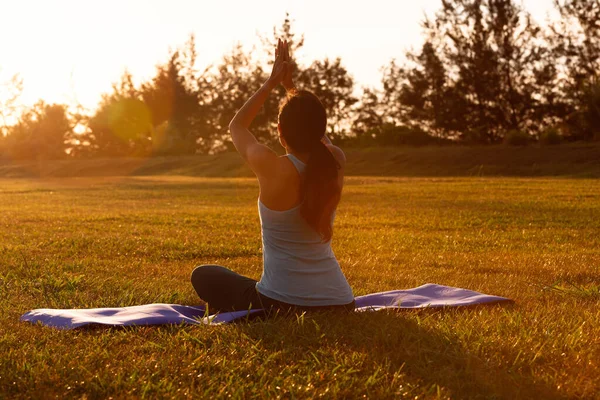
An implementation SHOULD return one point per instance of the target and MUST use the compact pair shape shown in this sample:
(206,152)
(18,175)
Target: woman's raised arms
(260,158)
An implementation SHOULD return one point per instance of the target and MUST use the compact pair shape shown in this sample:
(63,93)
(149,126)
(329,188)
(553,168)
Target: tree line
(487,73)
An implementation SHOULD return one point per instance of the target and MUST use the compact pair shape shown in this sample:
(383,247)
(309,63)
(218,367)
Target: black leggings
(224,291)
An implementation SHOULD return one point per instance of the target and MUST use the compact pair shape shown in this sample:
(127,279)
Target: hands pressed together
(283,66)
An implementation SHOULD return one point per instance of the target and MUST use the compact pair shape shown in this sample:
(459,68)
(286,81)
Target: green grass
(109,242)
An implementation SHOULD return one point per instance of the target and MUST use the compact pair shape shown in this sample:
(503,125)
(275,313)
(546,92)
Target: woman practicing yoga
(299,193)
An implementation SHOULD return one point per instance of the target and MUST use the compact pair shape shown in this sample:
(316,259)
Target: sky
(71,51)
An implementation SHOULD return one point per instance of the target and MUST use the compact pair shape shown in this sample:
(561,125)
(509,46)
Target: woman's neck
(300,156)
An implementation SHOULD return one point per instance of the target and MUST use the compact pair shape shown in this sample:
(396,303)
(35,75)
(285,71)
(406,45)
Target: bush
(583,123)
(472,136)
(402,135)
(394,135)
(550,137)
(517,138)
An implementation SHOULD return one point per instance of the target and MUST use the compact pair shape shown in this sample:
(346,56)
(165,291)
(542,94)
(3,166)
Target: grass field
(108,242)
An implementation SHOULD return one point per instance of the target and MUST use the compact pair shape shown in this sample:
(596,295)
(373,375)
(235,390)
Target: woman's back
(281,190)
(298,267)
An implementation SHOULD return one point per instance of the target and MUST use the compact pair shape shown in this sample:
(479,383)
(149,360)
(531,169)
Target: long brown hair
(303,122)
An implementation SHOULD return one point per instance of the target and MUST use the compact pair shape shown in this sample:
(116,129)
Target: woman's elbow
(233,124)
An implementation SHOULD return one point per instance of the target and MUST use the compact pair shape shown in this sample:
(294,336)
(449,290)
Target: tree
(421,96)
(526,69)
(225,88)
(121,126)
(284,32)
(39,133)
(479,73)
(172,97)
(328,79)
(578,34)
(11,91)
(577,44)
(368,116)
(332,84)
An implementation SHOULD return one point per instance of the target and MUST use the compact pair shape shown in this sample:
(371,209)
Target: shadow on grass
(383,344)
(397,341)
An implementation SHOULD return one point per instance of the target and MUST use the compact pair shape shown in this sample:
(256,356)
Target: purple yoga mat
(429,295)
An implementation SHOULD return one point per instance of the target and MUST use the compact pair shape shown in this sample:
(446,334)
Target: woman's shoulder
(338,154)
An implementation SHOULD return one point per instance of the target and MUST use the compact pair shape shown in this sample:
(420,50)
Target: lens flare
(129,119)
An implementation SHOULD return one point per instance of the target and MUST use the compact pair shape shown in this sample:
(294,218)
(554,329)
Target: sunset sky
(72,50)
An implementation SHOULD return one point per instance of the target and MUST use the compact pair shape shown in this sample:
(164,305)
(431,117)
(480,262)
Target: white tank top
(297,267)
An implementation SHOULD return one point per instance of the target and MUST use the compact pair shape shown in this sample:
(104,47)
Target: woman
(299,193)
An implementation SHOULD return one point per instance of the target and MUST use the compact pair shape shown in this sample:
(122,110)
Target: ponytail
(302,123)
(320,191)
